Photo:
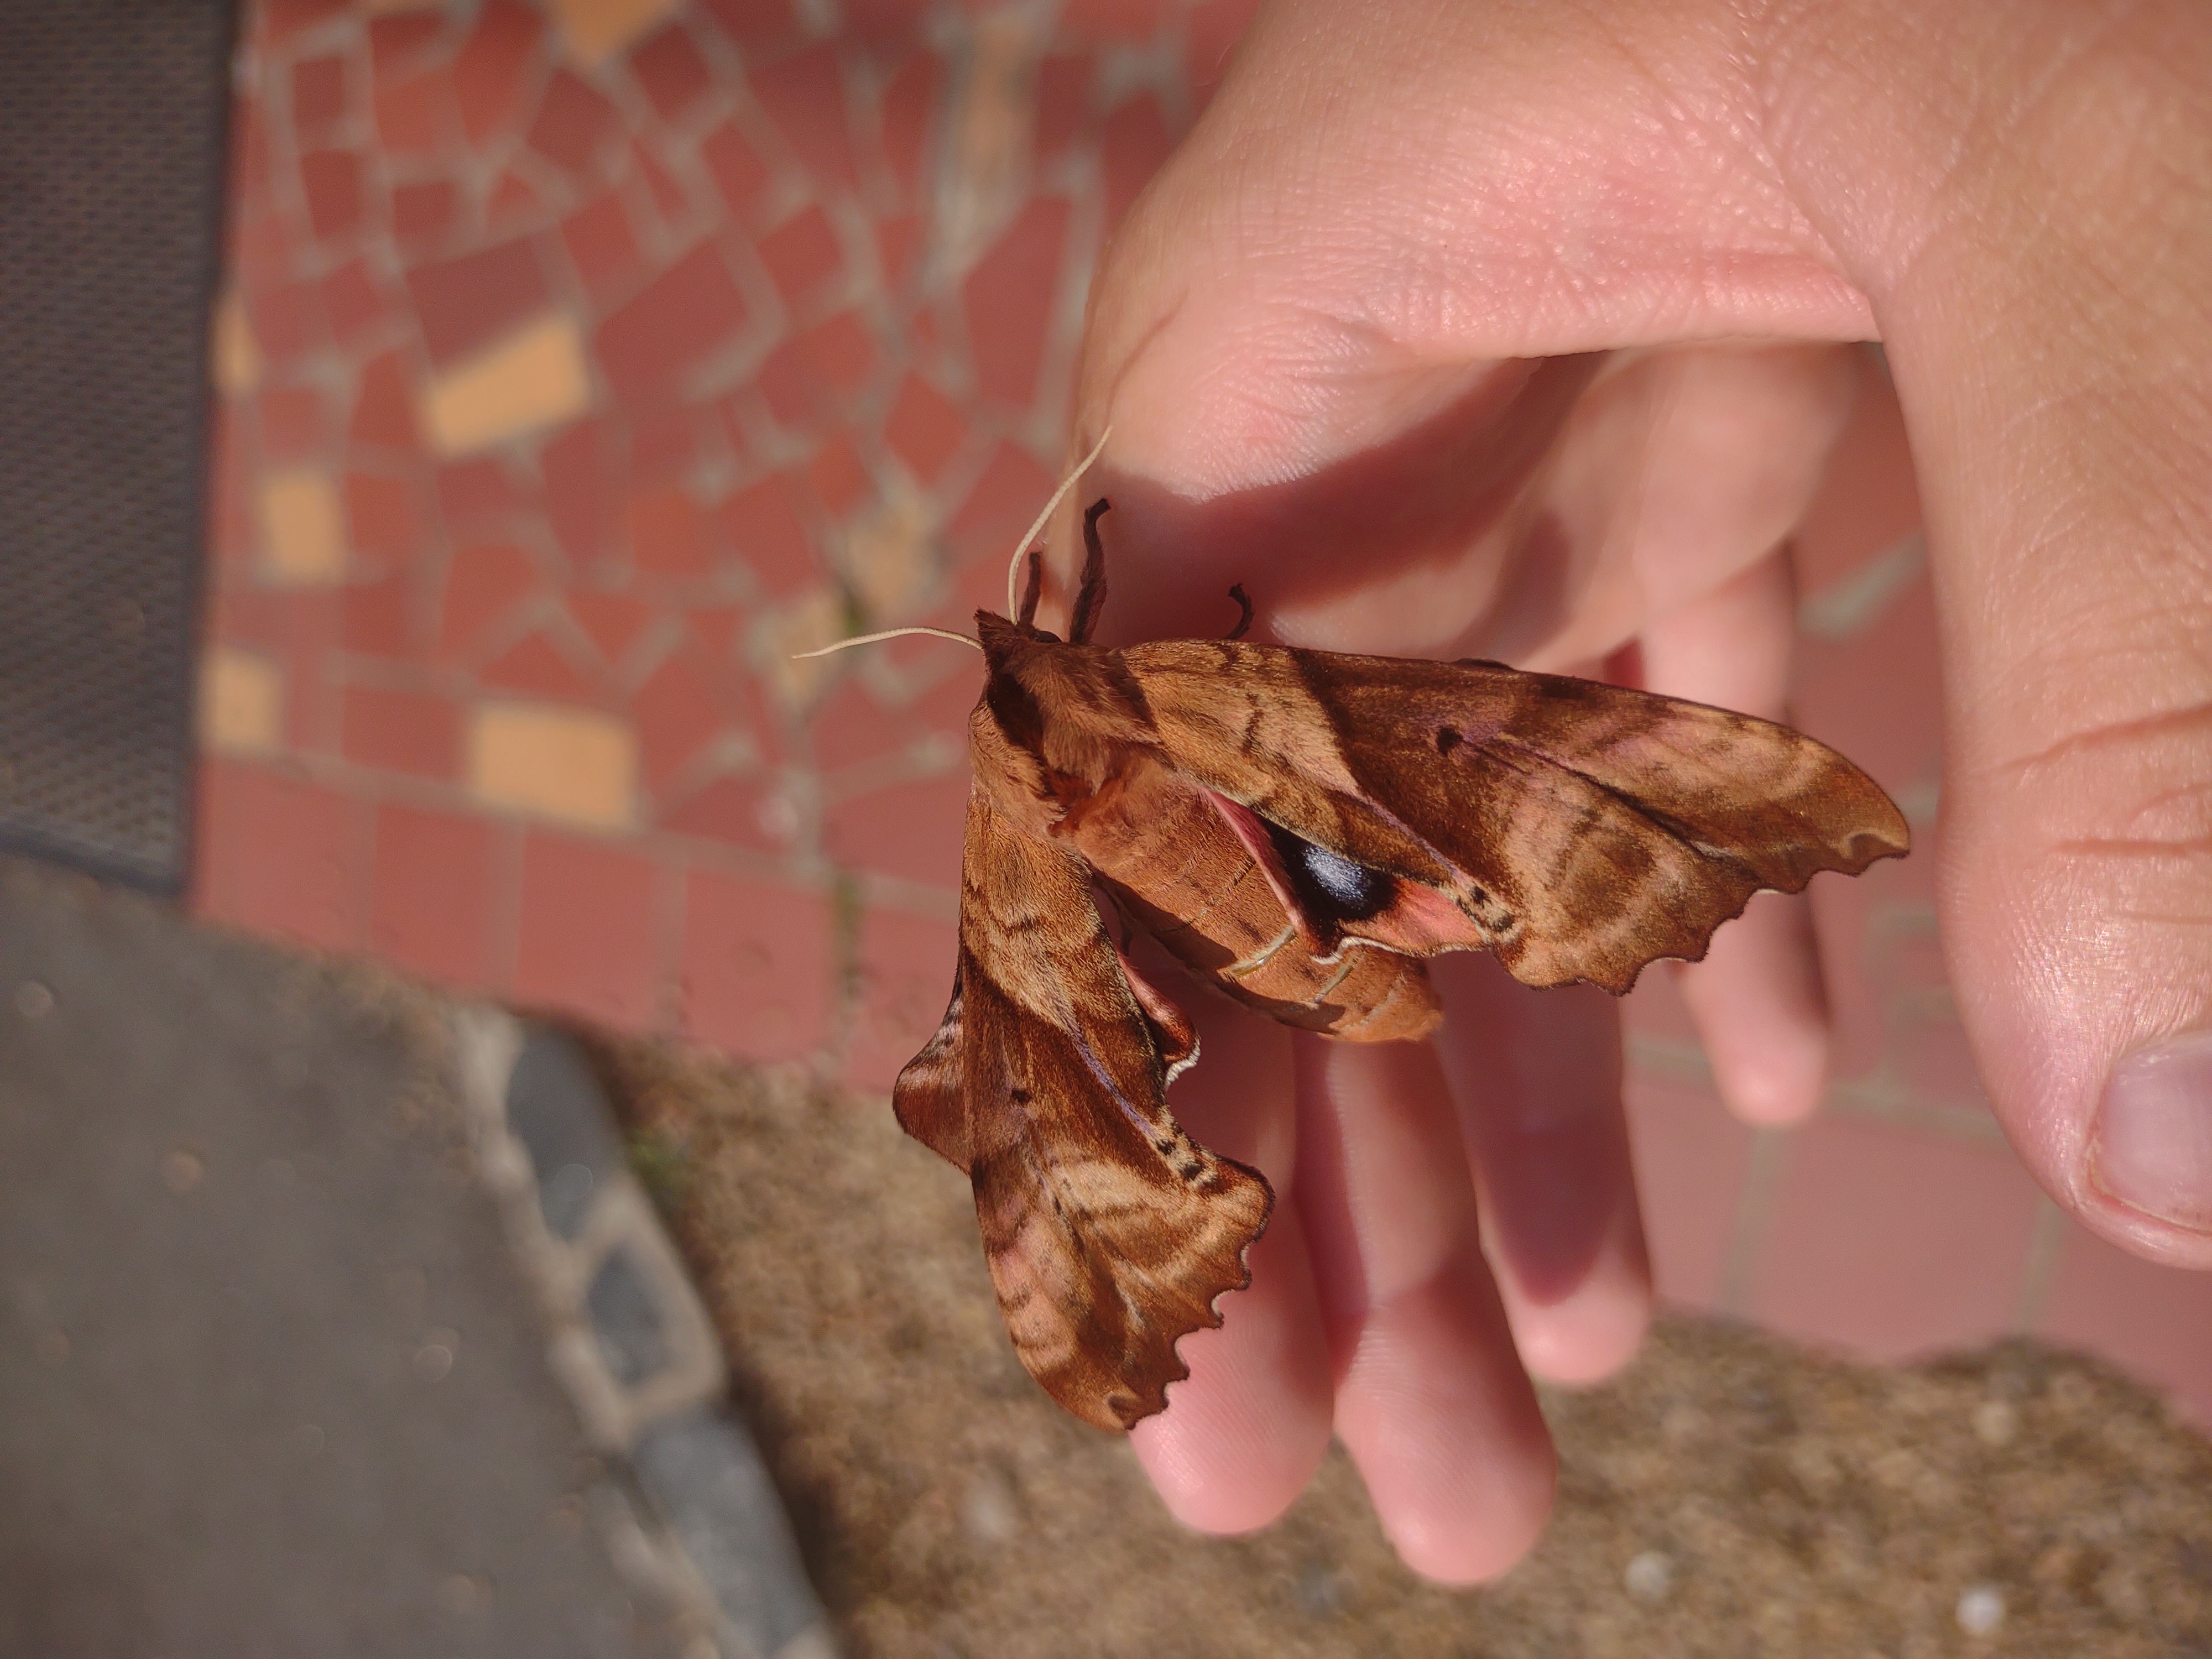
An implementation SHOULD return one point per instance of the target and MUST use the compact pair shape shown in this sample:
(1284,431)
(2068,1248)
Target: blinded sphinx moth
(1299,829)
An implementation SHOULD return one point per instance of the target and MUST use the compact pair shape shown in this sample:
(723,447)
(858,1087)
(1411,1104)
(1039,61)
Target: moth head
(1075,710)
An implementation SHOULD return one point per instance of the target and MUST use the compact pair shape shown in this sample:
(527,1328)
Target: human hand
(1460,327)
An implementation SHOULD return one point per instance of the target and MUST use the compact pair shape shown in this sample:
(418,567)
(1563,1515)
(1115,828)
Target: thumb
(2052,350)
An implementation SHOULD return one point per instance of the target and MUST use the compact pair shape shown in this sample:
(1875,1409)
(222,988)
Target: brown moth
(1299,829)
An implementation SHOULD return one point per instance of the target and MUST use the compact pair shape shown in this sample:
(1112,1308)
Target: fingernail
(2153,1136)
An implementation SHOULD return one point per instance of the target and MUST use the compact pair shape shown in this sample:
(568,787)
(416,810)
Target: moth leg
(1036,588)
(1244,622)
(1091,597)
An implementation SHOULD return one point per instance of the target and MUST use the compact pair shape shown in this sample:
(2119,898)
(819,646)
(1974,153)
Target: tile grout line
(2046,1240)
(692,1519)
(1753,1205)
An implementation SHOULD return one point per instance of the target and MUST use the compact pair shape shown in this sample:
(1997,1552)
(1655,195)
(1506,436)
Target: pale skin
(1338,343)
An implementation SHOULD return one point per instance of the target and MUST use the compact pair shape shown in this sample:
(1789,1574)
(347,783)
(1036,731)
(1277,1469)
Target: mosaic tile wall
(579,364)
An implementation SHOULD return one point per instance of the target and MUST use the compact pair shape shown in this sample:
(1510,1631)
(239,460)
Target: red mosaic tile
(740,175)
(1136,141)
(671,72)
(614,623)
(575,123)
(476,492)
(1005,496)
(262,249)
(762,523)
(1064,81)
(383,518)
(423,213)
(879,22)
(667,534)
(752,22)
(839,477)
(288,320)
(278,21)
(294,423)
(384,406)
(430,894)
(250,160)
(585,935)
(468,301)
(514,203)
(1010,297)
(483,584)
(911,831)
(716,627)
(925,428)
(1862,1208)
(732,809)
(670,197)
(851,728)
(757,970)
(787,385)
(355,301)
(281,854)
(910,110)
(602,245)
(415,114)
(332,182)
(841,354)
(583,483)
(536,667)
(2155,1321)
(1691,1160)
(493,71)
(898,245)
(1212,29)
(1123,21)
(376,618)
(683,314)
(804,96)
(802,254)
(398,38)
(677,716)
(409,731)
(319,94)
(310,621)
(905,964)
(663,442)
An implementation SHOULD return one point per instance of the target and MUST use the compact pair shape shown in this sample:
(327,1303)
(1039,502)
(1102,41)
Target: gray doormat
(111,126)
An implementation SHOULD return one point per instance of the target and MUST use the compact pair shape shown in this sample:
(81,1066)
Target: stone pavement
(272,1380)
(580,361)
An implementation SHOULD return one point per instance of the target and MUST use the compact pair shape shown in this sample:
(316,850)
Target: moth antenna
(888,634)
(1244,622)
(1091,597)
(1045,517)
(1030,594)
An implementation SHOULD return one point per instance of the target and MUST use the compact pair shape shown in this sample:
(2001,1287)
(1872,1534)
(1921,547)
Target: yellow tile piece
(574,764)
(892,558)
(807,623)
(596,29)
(237,357)
(534,378)
(241,702)
(303,528)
